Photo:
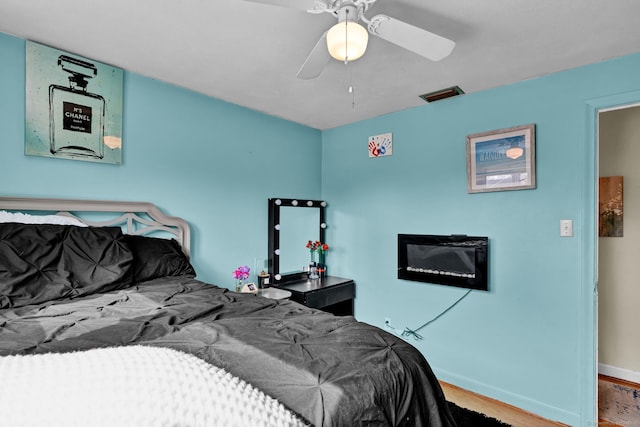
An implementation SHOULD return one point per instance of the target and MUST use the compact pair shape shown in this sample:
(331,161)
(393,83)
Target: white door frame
(589,313)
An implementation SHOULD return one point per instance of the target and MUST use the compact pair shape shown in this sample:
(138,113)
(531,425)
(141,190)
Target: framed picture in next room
(501,160)
(610,206)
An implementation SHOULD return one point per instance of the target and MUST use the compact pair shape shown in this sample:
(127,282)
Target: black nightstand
(331,294)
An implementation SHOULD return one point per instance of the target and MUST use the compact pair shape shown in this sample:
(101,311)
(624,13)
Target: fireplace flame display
(456,260)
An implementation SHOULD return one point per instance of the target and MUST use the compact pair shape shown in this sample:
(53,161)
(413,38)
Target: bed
(111,282)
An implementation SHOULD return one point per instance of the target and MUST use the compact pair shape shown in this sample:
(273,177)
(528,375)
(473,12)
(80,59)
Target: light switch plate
(566,228)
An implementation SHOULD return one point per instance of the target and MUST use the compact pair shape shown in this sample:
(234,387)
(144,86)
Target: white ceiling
(249,53)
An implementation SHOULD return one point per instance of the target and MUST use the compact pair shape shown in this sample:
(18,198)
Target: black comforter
(333,371)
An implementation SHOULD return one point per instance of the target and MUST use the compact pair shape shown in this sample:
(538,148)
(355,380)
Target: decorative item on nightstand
(263,280)
(322,261)
(241,274)
(249,288)
(317,269)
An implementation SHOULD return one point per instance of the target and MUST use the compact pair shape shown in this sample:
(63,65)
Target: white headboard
(139,218)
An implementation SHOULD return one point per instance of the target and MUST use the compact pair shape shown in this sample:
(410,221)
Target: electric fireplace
(455,260)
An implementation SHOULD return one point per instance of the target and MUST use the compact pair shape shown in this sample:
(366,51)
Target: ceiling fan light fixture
(347,40)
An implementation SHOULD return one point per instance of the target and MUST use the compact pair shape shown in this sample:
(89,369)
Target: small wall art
(381,145)
(610,206)
(73,106)
(501,160)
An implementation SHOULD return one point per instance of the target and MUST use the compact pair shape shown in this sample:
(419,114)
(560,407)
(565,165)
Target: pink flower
(241,273)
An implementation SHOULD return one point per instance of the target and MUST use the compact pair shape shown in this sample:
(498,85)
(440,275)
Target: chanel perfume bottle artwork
(74,107)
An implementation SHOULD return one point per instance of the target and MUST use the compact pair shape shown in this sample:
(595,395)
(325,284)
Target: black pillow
(154,258)
(31,264)
(43,262)
(97,259)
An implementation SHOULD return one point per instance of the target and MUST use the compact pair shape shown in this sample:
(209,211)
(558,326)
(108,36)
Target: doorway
(618,338)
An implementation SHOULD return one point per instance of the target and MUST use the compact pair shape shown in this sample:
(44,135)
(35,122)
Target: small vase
(322,270)
(313,271)
(322,266)
(239,286)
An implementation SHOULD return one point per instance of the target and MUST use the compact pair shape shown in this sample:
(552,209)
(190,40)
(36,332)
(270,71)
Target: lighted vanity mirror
(293,222)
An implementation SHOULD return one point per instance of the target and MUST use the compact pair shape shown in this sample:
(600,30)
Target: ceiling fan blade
(422,42)
(291,4)
(316,60)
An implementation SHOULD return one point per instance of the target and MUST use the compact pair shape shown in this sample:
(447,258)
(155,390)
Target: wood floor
(615,409)
(618,402)
(494,408)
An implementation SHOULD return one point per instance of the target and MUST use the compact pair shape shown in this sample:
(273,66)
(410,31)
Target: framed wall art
(502,160)
(73,106)
(610,206)
(381,145)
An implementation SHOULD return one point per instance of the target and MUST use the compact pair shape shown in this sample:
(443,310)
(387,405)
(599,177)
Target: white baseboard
(623,374)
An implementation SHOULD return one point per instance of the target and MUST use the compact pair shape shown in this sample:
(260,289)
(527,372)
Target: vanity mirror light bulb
(323,204)
(309,203)
(278,202)
(277,252)
(323,225)
(277,227)
(294,202)
(278,277)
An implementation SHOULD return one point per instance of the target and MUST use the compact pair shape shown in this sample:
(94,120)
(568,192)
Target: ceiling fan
(347,40)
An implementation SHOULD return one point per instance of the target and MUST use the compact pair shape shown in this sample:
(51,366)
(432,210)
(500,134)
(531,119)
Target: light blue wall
(211,162)
(529,340)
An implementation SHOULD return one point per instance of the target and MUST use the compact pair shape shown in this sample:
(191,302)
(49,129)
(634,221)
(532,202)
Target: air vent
(442,94)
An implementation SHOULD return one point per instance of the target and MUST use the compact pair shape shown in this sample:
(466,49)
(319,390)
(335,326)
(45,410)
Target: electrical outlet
(390,328)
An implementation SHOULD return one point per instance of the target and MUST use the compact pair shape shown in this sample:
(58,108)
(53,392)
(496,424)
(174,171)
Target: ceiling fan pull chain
(353,97)
(346,38)
(351,89)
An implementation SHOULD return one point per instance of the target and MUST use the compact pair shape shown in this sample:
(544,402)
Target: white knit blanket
(130,386)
